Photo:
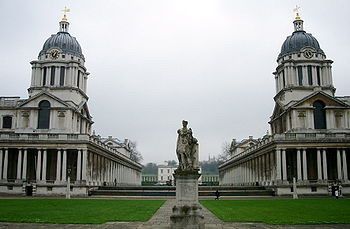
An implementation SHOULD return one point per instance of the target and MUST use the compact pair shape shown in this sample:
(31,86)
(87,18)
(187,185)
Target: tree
(210,167)
(135,155)
(171,163)
(225,152)
(150,168)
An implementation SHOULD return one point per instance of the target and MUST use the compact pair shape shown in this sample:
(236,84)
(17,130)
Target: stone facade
(166,174)
(310,135)
(46,138)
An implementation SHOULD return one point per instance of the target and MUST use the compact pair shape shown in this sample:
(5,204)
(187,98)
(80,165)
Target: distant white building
(165,174)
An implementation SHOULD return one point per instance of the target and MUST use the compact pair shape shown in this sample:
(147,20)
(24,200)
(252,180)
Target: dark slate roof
(297,41)
(65,42)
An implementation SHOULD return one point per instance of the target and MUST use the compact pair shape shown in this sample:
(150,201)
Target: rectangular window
(283,79)
(318,76)
(52,78)
(78,81)
(44,76)
(62,73)
(7,122)
(309,74)
(300,75)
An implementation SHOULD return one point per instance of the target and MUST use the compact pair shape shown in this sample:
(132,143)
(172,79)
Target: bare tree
(225,152)
(135,155)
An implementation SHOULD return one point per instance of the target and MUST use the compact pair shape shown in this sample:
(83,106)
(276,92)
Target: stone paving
(161,220)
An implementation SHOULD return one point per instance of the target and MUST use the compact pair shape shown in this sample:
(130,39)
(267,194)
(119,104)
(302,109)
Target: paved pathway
(161,220)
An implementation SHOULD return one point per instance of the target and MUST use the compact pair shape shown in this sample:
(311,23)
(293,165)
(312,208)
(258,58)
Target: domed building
(310,135)
(46,140)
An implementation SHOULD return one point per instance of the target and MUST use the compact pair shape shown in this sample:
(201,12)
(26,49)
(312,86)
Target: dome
(297,41)
(65,42)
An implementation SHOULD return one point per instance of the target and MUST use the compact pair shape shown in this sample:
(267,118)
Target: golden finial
(296,10)
(65,11)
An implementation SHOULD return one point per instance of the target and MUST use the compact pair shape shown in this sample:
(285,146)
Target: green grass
(282,211)
(76,211)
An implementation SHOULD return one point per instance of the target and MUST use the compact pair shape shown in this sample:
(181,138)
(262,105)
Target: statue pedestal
(187,213)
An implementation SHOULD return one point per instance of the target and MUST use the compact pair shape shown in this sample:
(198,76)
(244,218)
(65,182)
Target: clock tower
(60,68)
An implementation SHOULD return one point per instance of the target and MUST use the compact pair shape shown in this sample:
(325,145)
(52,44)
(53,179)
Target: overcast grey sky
(156,62)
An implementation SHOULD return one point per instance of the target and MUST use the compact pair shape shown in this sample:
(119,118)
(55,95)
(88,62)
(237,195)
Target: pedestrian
(217,195)
(336,192)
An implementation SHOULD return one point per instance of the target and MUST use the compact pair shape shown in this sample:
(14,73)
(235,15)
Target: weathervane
(65,11)
(296,10)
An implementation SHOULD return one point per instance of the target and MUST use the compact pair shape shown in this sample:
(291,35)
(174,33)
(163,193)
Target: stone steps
(170,191)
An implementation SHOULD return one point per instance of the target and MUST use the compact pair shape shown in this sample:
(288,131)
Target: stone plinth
(187,213)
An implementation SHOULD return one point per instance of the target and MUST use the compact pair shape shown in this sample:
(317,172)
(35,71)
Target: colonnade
(103,170)
(90,168)
(273,168)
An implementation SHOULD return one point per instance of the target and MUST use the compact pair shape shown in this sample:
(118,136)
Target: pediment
(328,100)
(34,101)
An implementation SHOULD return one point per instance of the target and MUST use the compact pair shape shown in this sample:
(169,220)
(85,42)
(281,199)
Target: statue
(187,212)
(187,149)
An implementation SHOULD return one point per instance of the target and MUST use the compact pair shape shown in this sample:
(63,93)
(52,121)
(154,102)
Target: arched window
(319,115)
(44,115)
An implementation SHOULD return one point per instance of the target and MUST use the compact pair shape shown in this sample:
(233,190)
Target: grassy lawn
(85,211)
(282,211)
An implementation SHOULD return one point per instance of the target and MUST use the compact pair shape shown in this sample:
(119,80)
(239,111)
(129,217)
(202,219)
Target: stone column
(38,166)
(319,165)
(19,164)
(85,154)
(345,166)
(64,165)
(325,176)
(108,171)
(278,165)
(268,168)
(6,157)
(263,167)
(298,165)
(304,165)
(25,161)
(44,165)
(284,165)
(339,165)
(58,166)
(79,165)
(1,164)
(250,171)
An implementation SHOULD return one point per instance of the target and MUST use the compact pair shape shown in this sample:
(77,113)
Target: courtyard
(144,213)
